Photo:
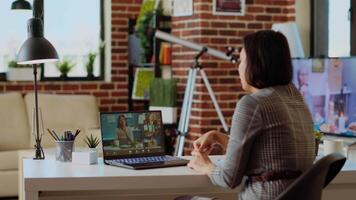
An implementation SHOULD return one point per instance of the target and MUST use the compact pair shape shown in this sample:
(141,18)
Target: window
(75,28)
(13,32)
(333,28)
(339,28)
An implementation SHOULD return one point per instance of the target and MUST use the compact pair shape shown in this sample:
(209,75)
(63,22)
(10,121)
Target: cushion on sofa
(9,183)
(65,112)
(14,129)
(9,160)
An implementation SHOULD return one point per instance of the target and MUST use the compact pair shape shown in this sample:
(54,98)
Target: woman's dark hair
(118,120)
(268,59)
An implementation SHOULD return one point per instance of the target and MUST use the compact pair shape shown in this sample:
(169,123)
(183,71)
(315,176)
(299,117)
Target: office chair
(310,184)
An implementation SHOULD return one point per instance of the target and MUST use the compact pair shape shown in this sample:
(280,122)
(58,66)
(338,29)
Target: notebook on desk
(135,140)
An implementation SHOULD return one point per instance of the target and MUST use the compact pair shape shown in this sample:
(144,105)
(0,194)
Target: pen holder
(64,150)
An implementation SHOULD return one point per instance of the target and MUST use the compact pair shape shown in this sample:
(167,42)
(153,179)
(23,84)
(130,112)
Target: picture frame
(182,8)
(229,7)
(141,87)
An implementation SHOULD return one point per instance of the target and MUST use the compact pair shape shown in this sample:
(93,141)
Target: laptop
(135,140)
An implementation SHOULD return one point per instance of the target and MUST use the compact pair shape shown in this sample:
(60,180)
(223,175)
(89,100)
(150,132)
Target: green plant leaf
(143,24)
(65,66)
(92,141)
(13,64)
(318,135)
(90,62)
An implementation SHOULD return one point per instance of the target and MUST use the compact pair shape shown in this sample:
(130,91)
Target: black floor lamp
(36,50)
(21,5)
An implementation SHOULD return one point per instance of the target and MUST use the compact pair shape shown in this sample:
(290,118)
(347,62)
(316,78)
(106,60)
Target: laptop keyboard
(152,159)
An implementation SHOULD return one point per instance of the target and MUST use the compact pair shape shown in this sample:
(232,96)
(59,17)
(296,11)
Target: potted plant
(163,97)
(64,67)
(21,72)
(317,135)
(87,157)
(144,29)
(90,65)
(92,142)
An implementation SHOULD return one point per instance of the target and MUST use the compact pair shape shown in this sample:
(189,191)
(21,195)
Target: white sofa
(60,112)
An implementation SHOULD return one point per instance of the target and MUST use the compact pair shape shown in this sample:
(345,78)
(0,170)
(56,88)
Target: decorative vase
(93,155)
(90,76)
(22,74)
(63,76)
(88,156)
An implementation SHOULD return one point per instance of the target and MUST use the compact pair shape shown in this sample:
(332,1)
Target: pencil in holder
(64,150)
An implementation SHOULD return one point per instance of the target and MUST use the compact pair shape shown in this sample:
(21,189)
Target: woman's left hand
(201,162)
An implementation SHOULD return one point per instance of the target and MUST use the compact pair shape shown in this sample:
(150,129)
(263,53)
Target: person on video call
(302,77)
(151,130)
(124,134)
(271,140)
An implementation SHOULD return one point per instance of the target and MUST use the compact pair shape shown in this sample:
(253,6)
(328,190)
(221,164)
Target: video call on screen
(131,133)
(329,89)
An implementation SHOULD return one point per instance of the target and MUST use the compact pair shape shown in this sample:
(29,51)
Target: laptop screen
(131,134)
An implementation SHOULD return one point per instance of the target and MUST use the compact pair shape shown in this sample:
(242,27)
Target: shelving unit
(159,23)
(162,23)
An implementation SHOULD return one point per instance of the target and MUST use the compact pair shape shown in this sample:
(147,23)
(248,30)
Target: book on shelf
(166,71)
(165,55)
(142,81)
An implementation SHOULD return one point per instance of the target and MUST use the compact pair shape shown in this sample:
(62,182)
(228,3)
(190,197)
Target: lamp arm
(39,150)
(38,9)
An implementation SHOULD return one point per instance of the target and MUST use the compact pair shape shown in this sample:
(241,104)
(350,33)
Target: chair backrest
(310,184)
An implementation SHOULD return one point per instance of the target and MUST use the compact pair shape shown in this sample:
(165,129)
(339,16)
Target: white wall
(302,13)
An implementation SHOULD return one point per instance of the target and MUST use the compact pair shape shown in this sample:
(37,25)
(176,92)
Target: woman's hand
(204,144)
(201,162)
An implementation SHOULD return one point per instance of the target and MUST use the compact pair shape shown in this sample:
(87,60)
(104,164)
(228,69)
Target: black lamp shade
(36,49)
(21,5)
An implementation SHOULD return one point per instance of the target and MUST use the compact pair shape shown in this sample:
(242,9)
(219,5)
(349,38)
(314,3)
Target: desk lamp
(21,5)
(36,50)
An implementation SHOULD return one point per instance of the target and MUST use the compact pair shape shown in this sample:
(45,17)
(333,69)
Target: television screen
(329,89)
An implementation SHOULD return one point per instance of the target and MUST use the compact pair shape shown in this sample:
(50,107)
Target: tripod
(188,100)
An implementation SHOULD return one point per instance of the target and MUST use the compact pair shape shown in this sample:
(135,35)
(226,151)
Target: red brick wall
(219,31)
(202,27)
(110,96)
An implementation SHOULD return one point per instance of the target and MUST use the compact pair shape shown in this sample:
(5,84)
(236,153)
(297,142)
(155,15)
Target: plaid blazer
(271,130)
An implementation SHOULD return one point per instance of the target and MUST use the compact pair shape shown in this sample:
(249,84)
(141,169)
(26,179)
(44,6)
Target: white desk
(57,180)
(49,179)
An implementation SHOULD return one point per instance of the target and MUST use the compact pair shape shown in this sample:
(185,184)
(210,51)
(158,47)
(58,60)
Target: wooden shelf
(163,22)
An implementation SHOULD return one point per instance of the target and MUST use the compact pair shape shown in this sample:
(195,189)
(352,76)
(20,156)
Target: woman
(271,140)
(302,77)
(124,134)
